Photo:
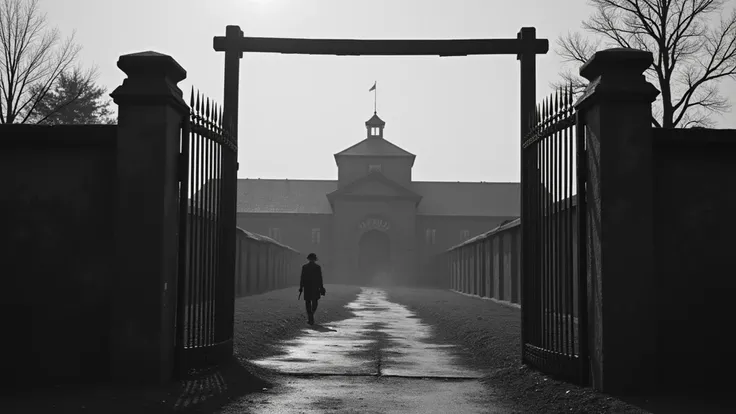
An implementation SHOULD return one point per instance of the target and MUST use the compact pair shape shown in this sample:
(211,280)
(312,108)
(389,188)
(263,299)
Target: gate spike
(198,107)
(207,113)
(191,98)
(558,101)
(571,95)
(545,109)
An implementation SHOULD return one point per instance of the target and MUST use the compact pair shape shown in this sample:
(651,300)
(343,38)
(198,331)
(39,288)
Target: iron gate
(205,288)
(554,301)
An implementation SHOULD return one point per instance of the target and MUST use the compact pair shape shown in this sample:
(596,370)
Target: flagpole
(375,97)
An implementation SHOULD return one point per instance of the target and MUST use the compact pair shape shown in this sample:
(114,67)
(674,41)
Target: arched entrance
(374,258)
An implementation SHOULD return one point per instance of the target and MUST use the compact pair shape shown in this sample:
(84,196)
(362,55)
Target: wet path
(378,361)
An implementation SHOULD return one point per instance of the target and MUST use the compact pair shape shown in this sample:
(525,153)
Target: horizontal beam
(346,47)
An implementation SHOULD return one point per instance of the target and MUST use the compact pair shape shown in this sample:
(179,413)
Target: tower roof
(375,121)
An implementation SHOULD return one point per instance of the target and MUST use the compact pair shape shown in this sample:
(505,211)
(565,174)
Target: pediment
(375,185)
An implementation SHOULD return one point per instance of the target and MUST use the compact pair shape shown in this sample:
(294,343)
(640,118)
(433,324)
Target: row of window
(430,235)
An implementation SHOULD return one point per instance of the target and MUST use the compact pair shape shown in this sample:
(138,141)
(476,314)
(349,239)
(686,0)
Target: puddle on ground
(347,347)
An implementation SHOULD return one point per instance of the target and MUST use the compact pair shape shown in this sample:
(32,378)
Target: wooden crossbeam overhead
(351,47)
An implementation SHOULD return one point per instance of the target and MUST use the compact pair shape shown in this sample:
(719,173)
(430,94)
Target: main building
(374,223)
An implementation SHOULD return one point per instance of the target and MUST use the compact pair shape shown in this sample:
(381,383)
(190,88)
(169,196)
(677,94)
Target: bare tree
(691,55)
(32,57)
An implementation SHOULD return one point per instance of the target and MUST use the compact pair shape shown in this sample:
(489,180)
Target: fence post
(151,111)
(616,108)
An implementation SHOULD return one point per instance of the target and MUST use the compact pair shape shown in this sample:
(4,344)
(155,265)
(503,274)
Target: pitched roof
(439,198)
(375,147)
(468,199)
(285,196)
(375,121)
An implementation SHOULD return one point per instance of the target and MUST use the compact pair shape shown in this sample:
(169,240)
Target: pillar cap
(617,75)
(151,63)
(152,78)
(623,61)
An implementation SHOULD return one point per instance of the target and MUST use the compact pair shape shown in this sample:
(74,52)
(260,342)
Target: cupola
(374,126)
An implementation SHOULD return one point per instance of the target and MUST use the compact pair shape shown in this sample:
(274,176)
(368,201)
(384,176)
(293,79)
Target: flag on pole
(372,87)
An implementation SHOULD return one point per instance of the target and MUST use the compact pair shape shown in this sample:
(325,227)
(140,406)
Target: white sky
(459,115)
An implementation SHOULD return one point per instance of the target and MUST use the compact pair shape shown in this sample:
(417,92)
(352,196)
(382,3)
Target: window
(430,236)
(375,131)
(465,235)
(374,167)
(274,233)
(315,236)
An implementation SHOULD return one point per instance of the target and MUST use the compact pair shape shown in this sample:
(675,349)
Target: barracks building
(373,224)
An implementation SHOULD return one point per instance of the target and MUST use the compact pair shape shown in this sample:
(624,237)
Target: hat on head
(311,256)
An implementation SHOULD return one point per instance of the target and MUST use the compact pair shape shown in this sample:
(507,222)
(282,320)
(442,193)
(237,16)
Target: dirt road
(379,361)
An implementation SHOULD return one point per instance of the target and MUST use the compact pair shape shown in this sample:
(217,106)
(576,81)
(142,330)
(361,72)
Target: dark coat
(311,281)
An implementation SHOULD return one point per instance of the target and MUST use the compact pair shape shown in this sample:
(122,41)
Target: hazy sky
(459,115)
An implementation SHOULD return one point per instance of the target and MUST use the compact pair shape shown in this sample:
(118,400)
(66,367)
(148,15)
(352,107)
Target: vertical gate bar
(568,208)
(213,305)
(554,220)
(191,228)
(216,239)
(181,290)
(553,226)
(582,250)
(194,233)
(571,169)
(534,243)
(550,232)
(216,236)
(208,238)
(220,331)
(542,233)
(537,280)
(539,259)
(545,234)
(210,235)
(200,232)
(203,237)
(558,225)
(548,227)
(545,241)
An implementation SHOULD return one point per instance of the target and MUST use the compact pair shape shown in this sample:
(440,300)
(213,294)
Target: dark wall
(56,250)
(695,224)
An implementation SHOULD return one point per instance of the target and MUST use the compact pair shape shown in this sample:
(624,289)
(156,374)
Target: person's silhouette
(311,285)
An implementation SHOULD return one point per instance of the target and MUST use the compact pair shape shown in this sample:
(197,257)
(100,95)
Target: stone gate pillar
(151,111)
(616,108)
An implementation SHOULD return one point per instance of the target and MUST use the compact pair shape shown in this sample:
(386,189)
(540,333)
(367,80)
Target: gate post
(616,108)
(143,302)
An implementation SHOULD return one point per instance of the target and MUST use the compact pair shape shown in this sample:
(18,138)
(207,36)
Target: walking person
(311,285)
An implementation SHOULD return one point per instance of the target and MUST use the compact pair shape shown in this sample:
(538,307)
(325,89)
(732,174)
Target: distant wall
(262,264)
(56,217)
(486,265)
(695,224)
(296,232)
